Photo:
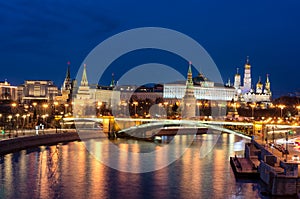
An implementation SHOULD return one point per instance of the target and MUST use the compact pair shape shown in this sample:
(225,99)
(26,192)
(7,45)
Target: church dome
(247,65)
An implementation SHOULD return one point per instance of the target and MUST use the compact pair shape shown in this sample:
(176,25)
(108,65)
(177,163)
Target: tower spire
(189,81)
(67,85)
(68,70)
(189,100)
(84,81)
(259,86)
(267,86)
(112,83)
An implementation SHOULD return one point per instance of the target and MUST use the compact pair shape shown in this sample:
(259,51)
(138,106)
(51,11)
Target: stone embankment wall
(16,144)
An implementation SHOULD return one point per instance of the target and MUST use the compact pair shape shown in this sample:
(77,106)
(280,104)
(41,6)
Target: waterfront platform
(244,168)
(277,172)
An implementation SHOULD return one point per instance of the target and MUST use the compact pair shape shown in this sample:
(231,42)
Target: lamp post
(45,106)
(286,145)
(55,105)
(135,104)
(166,108)
(34,104)
(198,108)
(24,120)
(66,108)
(0,118)
(281,106)
(298,108)
(9,117)
(253,105)
(17,123)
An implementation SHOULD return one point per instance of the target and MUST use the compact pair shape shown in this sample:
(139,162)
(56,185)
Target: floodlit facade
(8,92)
(37,90)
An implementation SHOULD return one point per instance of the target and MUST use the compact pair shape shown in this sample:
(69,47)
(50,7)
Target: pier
(280,176)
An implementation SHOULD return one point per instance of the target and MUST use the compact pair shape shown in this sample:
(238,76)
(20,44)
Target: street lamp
(66,108)
(281,106)
(34,110)
(14,105)
(24,120)
(198,109)
(9,117)
(298,108)
(55,105)
(135,104)
(45,106)
(166,107)
(17,124)
(253,105)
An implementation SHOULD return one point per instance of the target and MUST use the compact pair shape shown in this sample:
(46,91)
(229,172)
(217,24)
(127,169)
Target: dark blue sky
(37,38)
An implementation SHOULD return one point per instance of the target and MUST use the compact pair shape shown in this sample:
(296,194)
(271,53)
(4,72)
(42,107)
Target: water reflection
(70,171)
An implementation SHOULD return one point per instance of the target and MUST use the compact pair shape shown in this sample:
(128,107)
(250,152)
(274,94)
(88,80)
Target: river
(69,170)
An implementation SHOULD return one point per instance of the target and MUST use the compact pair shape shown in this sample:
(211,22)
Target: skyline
(48,34)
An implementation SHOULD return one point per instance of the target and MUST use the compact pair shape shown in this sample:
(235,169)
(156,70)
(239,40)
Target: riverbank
(280,176)
(20,143)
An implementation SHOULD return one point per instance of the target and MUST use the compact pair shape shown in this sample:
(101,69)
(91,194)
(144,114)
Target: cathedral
(246,93)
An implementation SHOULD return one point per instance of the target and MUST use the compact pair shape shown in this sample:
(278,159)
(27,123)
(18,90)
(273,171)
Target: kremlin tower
(82,102)
(189,100)
(67,87)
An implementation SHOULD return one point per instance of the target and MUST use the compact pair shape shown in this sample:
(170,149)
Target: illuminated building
(245,93)
(37,90)
(8,92)
(203,90)
(86,98)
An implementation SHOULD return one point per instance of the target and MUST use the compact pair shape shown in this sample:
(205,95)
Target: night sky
(38,38)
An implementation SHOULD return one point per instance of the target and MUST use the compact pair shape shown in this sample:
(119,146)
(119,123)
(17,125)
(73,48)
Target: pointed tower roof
(259,81)
(68,76)
(247,65)
(237,72)
(84,81)
(189,81)
(112,83)
(267,80)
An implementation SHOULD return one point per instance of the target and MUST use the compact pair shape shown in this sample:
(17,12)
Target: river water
(70,171)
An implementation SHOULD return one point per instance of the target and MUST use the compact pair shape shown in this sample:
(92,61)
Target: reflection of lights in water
(48,172)
(79,174)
